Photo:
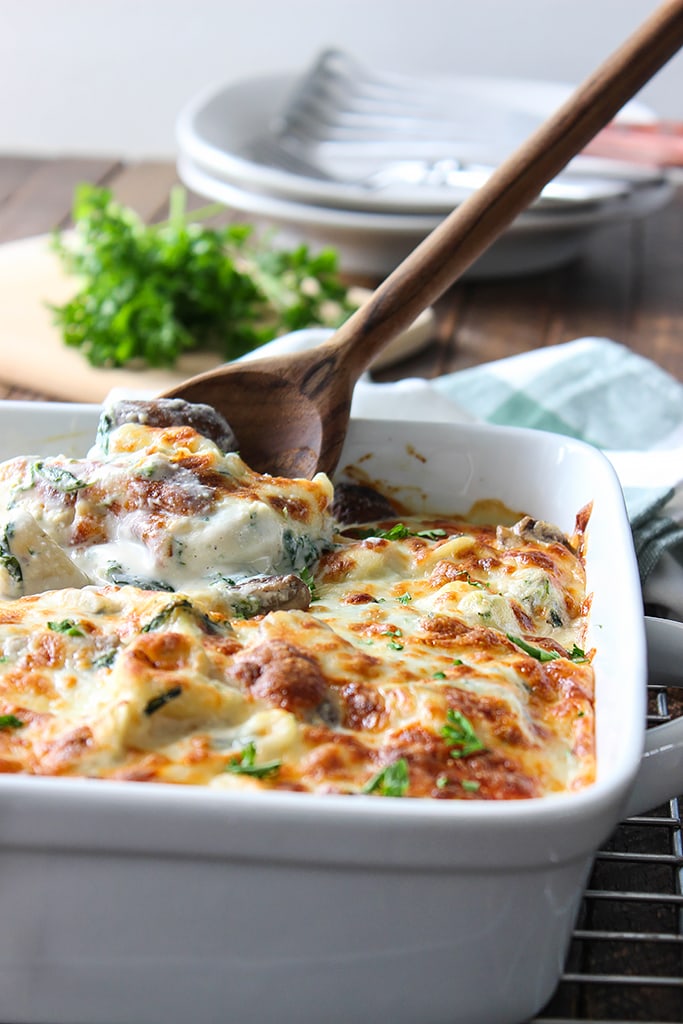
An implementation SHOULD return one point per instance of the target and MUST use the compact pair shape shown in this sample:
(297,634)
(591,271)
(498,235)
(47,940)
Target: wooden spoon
(290,413)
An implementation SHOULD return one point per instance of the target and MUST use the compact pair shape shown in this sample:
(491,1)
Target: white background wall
(108,76)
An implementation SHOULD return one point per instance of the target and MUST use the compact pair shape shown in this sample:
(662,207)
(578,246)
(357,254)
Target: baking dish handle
(660,777)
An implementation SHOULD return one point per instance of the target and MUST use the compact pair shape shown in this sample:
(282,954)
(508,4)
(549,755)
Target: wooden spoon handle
(439,260)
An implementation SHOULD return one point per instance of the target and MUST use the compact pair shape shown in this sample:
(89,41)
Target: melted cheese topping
(438,658)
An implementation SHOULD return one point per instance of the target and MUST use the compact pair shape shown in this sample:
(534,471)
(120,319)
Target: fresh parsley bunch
(148,293)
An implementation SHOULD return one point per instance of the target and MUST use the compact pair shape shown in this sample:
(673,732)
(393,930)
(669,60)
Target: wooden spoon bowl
(282,427)
(290,413)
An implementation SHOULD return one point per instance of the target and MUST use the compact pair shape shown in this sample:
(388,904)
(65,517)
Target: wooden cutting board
(35,357)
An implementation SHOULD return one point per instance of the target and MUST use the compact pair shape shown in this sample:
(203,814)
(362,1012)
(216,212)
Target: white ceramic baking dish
(131,903)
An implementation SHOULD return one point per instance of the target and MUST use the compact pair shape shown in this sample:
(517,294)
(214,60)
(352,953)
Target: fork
(339,100)
(347,124)
(445,179)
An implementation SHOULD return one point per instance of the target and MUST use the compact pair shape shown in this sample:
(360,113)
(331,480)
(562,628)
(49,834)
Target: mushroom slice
(535,530)
(357,503)
(168,412)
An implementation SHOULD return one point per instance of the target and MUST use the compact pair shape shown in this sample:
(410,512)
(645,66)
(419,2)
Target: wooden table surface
(628,285)
(626,963)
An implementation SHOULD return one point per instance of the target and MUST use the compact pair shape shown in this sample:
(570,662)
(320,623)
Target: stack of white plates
(227,152)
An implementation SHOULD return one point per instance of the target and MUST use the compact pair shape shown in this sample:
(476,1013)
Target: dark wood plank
(628,287)
(625,285)
(14,170)
(9,391)
(42,201)
(657,324)
(145,187)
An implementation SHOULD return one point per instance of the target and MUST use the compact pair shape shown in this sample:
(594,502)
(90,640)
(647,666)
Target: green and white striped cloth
(593,389)
(601,392)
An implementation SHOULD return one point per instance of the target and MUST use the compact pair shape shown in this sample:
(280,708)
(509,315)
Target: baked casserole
(169,615)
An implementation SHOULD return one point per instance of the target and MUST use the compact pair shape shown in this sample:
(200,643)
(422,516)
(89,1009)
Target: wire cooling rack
(625,963)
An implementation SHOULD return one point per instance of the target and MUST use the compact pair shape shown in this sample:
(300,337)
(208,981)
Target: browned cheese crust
(424,658)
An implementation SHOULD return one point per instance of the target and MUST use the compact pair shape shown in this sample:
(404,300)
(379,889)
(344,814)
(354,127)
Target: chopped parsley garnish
(439,675)
(394,642)
(106,659)
(460,735)
(405,598)
(464,574)
(534,652)
(11,722)
(471,785)
(59,478)
(245,764)
(67,626)
(399,531)
(162,699)
(308,578)
(392,780)
(540,653)
(224,581)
